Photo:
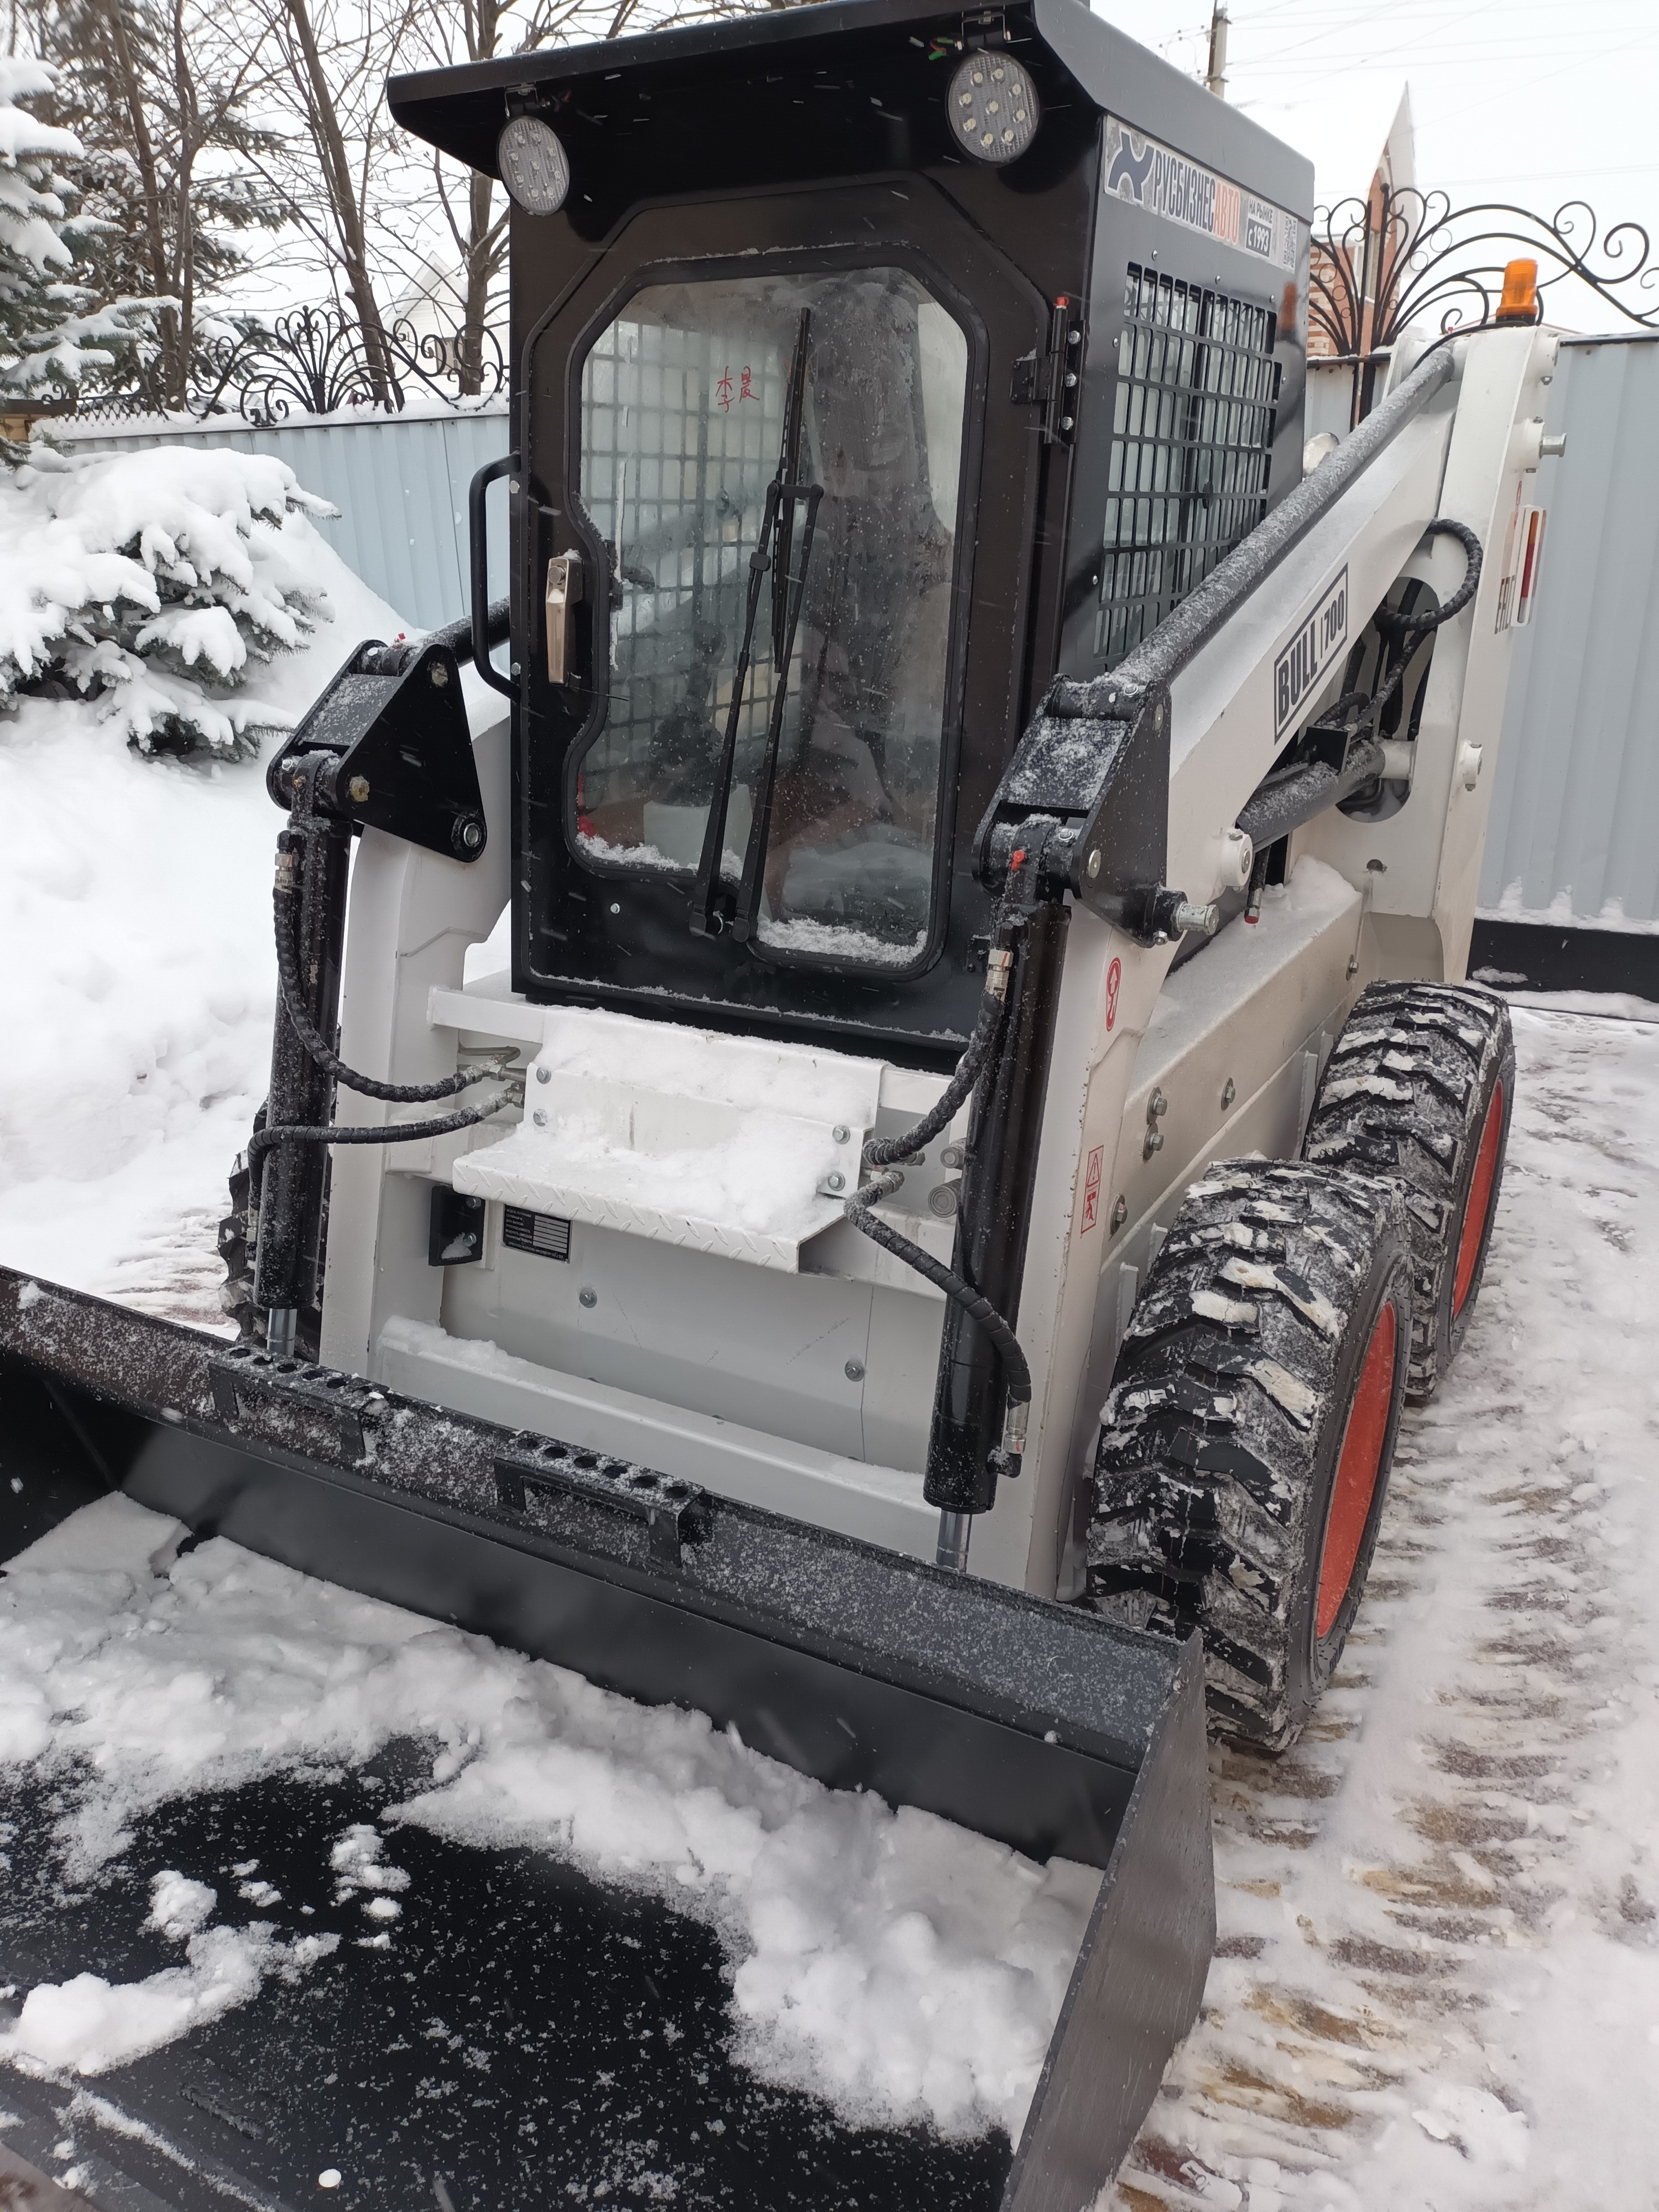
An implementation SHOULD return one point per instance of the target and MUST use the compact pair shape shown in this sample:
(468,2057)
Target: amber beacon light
(1519,301)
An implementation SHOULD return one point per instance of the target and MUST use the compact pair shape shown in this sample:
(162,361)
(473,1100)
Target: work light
(993,108)
(534,166)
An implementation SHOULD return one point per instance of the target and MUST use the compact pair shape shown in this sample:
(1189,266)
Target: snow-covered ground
(137,975)
(1438,1979)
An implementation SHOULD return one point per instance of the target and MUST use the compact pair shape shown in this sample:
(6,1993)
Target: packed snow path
(1437,1985)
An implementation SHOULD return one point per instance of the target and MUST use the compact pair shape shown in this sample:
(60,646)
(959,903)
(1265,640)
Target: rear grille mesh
(1193,430)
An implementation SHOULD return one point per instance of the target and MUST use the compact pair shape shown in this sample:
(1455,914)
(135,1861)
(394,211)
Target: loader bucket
(1050,1729)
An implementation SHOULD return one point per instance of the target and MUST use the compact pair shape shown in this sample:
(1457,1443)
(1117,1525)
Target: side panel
(411,916)
(1431,849)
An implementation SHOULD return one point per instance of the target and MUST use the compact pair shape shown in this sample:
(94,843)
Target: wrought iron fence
(1380,265)
(312,362)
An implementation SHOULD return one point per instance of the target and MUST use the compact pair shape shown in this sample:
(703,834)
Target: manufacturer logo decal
(1167,183)
(1091,1187)
(1310,653)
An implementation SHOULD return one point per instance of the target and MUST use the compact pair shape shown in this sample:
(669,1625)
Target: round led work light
(993,109)
(534,166)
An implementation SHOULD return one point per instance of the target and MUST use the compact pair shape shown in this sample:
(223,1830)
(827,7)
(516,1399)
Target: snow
(897,1966)
(88,2025)
(151,583)
(1561,914)
(724,1147)
(45,317)
(833,941)
(136,908)
(179,1906)
(1438,1981)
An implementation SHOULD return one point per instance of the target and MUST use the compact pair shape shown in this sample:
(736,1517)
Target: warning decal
(1091,1187)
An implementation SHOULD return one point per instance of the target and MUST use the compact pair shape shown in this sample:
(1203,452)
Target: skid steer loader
(989,841)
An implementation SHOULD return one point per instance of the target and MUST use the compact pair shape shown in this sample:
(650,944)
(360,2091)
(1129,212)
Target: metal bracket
(241,1370)
(1088,789)
(674,1513)
(395,725)
(1050,381)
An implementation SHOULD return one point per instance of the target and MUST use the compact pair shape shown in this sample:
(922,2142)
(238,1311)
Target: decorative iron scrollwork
(1379,265)
(315,362)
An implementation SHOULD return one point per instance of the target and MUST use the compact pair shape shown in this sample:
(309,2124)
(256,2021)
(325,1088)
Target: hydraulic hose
(882,1152)
(1401,626)
(1017,1373)
(390,1132)
(368,1086)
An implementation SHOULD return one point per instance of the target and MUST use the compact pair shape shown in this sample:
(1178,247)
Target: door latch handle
(564,591)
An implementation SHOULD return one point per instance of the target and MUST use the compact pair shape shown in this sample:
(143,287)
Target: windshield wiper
(783,494)
(788,592)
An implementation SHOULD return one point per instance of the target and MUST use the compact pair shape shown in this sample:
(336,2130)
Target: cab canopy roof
(605,86)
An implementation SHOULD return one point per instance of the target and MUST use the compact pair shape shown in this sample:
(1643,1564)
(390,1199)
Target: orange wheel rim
(1479,1201)
(1356,1470)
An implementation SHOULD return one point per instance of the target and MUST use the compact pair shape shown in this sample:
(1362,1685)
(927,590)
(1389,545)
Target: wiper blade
(783,494)
(788,592)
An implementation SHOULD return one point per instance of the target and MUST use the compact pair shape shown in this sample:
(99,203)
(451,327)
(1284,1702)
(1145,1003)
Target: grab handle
(479,551)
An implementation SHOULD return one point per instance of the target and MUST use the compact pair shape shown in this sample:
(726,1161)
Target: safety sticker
(1091,1187)
(1166,183)
(1310,653)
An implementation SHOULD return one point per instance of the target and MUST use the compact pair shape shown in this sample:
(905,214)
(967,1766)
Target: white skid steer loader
(990,843)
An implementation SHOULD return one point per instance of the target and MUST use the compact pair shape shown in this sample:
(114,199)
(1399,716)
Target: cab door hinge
(1051,380)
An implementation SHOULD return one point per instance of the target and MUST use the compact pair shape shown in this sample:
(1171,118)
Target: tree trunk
(343,205)
(189,138)
(174,363)
(480,258)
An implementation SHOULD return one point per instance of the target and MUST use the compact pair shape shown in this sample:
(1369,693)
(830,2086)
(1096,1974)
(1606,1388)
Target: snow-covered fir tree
(52,328)
(137,589)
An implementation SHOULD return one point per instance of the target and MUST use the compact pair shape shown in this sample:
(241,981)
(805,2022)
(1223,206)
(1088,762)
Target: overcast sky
(1528,100)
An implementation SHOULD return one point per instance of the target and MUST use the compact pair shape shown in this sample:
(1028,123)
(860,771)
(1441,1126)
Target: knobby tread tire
(1405,1093)
(236,1291)
(1221,1437)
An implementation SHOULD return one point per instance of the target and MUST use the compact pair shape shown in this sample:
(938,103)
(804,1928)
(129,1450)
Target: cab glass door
(694,405)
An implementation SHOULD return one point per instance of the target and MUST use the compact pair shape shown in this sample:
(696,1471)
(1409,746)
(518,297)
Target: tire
(1245,1447)
(236,1291)
(1420,1084)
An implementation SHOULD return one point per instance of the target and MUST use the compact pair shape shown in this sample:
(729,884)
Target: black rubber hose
(390,1132)
(1397,626)
(883,1152)
(1016,1373)
(368,1086)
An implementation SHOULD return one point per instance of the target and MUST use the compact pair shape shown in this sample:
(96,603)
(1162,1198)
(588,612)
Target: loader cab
(1026,398)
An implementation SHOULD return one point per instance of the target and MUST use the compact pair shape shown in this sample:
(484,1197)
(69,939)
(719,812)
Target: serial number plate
(1310,653)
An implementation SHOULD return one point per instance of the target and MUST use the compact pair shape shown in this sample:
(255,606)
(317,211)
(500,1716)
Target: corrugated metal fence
(1575,818)
(400,485)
